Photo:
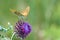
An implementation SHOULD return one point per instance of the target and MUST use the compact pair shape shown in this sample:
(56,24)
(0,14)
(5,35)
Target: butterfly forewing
(26,11)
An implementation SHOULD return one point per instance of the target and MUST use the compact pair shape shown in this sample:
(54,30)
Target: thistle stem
(12,35)
(22,39)
(20,17)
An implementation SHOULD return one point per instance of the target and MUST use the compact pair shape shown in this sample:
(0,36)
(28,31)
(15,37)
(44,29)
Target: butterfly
(21,13)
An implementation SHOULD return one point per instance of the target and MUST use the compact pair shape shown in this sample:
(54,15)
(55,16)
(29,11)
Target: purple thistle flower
(22,29)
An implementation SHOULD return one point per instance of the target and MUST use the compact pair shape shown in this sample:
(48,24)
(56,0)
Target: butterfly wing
(12,10)
(15,12)
(26,11)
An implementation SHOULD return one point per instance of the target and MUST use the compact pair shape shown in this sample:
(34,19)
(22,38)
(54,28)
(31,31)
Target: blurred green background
(44,16)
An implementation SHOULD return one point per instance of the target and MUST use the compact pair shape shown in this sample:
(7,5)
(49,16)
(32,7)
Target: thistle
(22,29)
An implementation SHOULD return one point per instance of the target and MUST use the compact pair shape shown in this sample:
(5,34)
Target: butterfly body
(18,13)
